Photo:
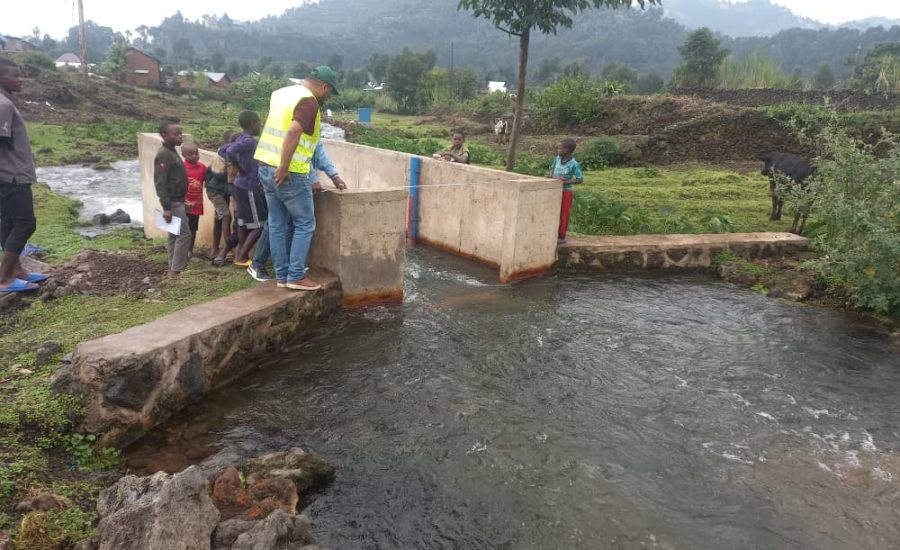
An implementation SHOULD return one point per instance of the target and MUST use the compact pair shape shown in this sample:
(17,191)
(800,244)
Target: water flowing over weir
(574,412)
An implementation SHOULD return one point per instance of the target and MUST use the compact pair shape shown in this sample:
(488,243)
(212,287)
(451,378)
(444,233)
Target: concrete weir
(138,379)
(643,252)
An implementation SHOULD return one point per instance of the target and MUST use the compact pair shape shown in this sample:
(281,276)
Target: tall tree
(519,18)
(701,54)
(217,61)
(824,77)
(117,57)
(405,75)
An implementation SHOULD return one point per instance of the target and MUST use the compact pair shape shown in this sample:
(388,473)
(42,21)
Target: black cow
(798,169)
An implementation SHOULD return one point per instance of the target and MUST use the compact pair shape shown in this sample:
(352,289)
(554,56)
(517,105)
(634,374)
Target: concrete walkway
(639,252)
(139,378)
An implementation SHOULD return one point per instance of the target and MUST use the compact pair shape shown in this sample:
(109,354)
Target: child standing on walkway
(252,210)
(219,191)
(566,169)
(193,199)
(171,183)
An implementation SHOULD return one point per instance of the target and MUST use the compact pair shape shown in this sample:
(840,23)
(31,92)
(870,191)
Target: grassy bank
(627,201)
(38,447)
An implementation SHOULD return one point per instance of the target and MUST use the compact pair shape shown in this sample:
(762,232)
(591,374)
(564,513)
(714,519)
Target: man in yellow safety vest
(284,152)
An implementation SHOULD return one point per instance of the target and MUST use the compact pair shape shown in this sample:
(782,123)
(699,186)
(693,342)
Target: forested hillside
(349,32)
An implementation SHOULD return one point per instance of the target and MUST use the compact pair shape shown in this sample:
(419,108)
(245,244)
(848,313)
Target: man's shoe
(258,274)
(303,284)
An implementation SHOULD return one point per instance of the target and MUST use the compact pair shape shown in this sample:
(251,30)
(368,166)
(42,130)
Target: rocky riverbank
(251,505)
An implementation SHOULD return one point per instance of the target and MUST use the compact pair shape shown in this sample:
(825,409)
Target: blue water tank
(365,115)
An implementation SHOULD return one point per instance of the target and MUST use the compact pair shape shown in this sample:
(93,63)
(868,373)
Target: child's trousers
(180,245)
(567,198)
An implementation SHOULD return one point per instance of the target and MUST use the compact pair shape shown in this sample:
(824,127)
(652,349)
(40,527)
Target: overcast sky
(56,16)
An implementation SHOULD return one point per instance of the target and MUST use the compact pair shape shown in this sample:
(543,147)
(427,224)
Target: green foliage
(599,152)
(824,78)
(859,206)
(88,455)
(650,83)
(754,71)
(416,146)
(405,75)
(569,102)
(622,74)
(351,100)
(254,91)
(879,71)
(806,119)
(516,18)
(492,106)
(55,529)
(701,55)
(441,87)
(116,60)
(35,63)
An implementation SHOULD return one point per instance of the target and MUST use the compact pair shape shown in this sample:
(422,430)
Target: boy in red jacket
(193,200)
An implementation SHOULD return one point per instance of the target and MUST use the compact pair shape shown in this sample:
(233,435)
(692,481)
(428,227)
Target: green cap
(326,75)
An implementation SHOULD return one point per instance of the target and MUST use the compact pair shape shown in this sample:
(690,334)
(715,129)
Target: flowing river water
(574,412)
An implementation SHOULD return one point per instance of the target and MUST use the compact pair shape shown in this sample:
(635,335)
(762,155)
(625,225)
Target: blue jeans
(292,201)
(264,250)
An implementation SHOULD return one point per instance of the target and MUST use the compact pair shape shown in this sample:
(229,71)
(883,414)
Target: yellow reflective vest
(281,113)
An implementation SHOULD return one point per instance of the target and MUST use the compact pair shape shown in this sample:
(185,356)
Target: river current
(574,412)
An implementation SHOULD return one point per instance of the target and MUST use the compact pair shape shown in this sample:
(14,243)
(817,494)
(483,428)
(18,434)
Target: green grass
(649,200)
(36,426)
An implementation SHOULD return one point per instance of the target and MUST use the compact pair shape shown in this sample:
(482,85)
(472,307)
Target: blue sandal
(37,277)
(19,286)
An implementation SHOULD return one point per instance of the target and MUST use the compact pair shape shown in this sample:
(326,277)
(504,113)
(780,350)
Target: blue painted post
(365,115)
(415,173)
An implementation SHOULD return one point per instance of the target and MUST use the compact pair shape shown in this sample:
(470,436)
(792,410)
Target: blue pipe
(415,173)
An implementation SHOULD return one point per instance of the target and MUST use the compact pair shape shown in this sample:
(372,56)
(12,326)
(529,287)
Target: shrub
(491,106)
(570,101)
(35,63)
(351,100)
(599,153)
(859,209)
(254,91)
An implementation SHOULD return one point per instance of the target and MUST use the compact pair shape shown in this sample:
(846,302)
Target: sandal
(218,261)
(37,277)
(248,263)
(19,285)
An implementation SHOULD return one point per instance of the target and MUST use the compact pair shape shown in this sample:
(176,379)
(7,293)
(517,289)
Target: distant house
(142,69)
(495,86)
(15,44)
(68,60)
(221,80)
(188,78)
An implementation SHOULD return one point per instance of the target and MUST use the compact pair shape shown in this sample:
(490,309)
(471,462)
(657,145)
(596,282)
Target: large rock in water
(279,531)
(305,469)
(120,216)
(159,512)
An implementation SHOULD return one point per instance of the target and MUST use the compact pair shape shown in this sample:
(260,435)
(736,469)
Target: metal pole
(83,46)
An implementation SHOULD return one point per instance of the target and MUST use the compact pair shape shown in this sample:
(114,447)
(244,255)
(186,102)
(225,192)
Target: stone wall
(653,252)
(137,379)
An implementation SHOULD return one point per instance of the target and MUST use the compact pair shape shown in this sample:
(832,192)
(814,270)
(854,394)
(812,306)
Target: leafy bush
(351,100)
(859,208)
(570,101)
(253,91)
(807,119)
(35,63)
(599,152)
(492,106)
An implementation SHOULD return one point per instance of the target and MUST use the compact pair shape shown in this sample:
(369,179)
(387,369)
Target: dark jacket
(169,176)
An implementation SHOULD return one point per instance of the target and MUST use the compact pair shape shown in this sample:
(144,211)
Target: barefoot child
(566,169)
(170,179)
(193,199)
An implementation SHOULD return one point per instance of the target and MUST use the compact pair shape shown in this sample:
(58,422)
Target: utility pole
(452,80)
(84,67)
